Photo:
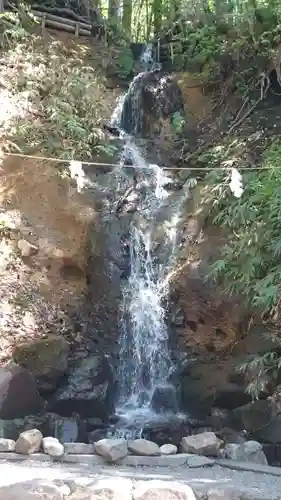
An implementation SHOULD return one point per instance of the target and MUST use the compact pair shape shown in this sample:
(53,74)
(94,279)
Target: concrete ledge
(178,460)
(247,466)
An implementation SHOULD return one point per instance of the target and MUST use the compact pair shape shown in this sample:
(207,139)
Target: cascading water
(145,363)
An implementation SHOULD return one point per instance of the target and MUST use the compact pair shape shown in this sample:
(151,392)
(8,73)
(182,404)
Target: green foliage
(124,64)
(178,122)
(62,97)
(250,261)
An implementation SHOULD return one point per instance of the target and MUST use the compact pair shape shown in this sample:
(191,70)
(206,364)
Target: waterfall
(145,365)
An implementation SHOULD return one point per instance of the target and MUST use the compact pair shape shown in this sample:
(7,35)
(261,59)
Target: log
(51,17)
(64,27)
(63,11)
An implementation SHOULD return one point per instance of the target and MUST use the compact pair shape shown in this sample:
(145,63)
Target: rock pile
(195,451)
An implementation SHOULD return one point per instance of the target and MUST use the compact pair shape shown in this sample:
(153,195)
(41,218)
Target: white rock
(79,448)
(52,447)
(34,490)
(162,490)
(112,450)
(143,447)
(168,449)
(29,442)
(26,248)
(206,443)
(7,445)
(251,451)
(116,488)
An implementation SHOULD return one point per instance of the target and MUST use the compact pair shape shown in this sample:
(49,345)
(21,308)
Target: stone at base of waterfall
(52,447)
(206,443)
(7,445)
(79,448)
(168,449)
(36,489)
(143,447)
(112,450)
(29,442)
(162,490)
(251,451)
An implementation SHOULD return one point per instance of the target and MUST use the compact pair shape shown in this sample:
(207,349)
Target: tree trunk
(1,6)
(157,16)
(113,11)
(127,16)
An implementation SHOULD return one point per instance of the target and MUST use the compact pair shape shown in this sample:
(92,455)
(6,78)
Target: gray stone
(144,447)
(251,451)
(46,358)
(34,490)
(195,461)
(112,450)
(90,387)
(79,448)
(52,447)
(162,490)
(168,449)
(7,445)
(206,443)
(18,393)
(29,442)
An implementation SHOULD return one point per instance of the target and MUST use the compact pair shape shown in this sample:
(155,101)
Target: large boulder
(260,419)
(18,393)
(37,489)
(89,391)
(144,447)
(46,358)
(162,490)
(112,450)
(206,443)
(157,97)
(29,442)
(251,451)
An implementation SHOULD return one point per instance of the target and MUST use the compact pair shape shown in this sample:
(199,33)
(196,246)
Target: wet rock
(29,442)
(79,448)
(98,434)
(207,444)
(164,399)
(168,449)
(45,358)
(37,489)
(7,445)
(112,450)
(162,490)
(65,429)
(52,447)
(177,316)
(157,96)
(18,393)
(144,447)
(89,391)
(171,431)
(251,451)
(231,436)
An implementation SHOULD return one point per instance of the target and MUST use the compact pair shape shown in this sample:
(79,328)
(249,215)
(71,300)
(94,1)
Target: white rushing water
(145,363)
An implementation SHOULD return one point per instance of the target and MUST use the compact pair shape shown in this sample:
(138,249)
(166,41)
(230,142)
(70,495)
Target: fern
(250,262)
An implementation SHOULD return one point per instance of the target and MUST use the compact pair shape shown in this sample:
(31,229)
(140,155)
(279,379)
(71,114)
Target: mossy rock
(46,357)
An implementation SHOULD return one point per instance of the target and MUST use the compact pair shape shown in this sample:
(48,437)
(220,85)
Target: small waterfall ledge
(145,392)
